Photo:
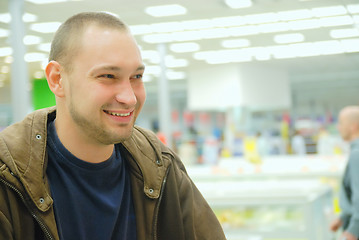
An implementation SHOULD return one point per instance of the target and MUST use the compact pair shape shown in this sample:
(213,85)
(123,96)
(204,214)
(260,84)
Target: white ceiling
(132,12)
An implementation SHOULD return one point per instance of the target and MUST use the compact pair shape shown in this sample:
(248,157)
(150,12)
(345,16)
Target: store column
(164,101)
(20,96)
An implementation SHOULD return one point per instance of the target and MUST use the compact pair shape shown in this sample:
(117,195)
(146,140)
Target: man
(348,126)
(82,170)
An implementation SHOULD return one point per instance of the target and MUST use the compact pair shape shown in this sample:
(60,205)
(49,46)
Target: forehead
(108,45)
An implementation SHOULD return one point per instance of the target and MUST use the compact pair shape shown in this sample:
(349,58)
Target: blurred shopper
(348,126)
(82,170)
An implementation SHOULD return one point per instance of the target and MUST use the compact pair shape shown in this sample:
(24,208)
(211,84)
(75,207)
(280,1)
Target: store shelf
(274,167)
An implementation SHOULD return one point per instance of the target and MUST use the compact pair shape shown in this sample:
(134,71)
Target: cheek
(140,95)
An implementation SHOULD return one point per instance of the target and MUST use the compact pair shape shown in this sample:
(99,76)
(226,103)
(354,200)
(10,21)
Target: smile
(118,114)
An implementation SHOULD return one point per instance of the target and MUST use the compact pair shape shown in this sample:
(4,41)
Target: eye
(107,76)
(138,76)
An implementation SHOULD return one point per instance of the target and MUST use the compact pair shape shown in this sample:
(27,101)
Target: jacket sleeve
(353,167)
(198,220)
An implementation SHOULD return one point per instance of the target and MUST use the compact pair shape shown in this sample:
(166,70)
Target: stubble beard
(97,132)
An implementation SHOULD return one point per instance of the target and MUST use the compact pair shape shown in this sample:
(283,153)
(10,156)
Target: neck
(82,147)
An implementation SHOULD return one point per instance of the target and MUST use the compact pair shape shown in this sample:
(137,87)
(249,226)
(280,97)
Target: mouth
(117,114)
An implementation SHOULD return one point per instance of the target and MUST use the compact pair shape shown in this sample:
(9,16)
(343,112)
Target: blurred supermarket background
(247,92)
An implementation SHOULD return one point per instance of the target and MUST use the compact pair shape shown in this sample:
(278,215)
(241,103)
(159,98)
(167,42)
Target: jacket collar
(23,150)
(148,153)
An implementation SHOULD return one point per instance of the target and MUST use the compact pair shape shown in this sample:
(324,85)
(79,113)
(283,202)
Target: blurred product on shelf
(298,144)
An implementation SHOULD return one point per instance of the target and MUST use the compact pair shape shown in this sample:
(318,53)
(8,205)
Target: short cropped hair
(67,39)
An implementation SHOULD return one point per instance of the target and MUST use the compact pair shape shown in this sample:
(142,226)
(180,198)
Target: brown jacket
(168,205)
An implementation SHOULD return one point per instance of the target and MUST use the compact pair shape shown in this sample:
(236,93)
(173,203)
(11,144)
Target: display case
(279,198)
(263,210)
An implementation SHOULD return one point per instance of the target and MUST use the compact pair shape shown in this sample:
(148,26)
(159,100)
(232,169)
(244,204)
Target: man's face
(344,126)
(104,92)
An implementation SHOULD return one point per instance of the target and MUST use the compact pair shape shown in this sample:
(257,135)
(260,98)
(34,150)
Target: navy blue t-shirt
(92,201)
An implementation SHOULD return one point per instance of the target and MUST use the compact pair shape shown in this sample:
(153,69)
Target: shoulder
(354,156)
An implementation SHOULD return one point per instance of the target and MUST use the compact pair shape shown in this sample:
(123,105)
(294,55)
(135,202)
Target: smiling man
(82,170)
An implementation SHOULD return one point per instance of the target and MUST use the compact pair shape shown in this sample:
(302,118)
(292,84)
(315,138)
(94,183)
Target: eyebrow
(115,68)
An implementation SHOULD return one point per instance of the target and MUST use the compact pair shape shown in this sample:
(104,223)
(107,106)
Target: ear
(54,79)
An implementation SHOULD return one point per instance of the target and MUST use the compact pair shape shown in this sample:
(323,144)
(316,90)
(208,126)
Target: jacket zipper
(155,217)
(32,212)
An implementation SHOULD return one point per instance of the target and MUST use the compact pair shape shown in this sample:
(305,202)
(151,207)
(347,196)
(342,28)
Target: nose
(125,94)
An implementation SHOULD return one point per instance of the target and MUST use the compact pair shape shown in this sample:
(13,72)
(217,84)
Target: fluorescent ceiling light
(356,19)
(166,10)
(329,11)
(273,27)
(214,33)
(262,18)
(186,36)
(151,55)
(31,39)
(4,32)
(228,21)
(152,69)
(166,27)
(307,49)
(172,62)
(5,17)
(336,21)
(46,47)
(184,47)
(295,15)
(224,56)
(289,38)
(202,55)
(243,31)
(158,38)
(45,1)
(140,29)
(35,57)
(229,56)
(329,47)
(238,3)
(147,78)
(261,54)
(353,8)
(350,45)
(235,43)
(5,51)
(282,52)
(28,17)
(171,75)
(197,24)
(304,24)
(47,27)
(344,33)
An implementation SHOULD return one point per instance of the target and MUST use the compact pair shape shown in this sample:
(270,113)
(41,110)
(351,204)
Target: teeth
(119,114)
